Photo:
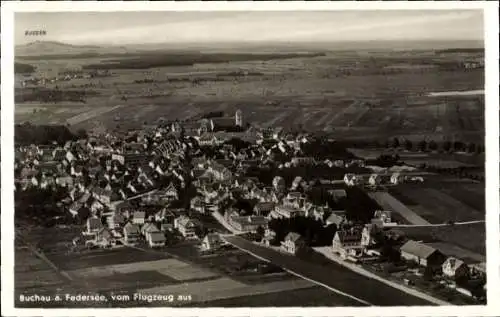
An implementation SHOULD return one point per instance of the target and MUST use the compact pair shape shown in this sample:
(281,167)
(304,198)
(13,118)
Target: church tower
(238,118)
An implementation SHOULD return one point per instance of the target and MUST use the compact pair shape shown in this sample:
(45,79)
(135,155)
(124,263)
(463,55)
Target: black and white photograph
(248,158)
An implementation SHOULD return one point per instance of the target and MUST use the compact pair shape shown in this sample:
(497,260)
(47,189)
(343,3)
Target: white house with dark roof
(131,233)
(293,243)
(139,217)
(186,227)
(453,268)
(93,225)
(348,243)
(156,239)
(211,241)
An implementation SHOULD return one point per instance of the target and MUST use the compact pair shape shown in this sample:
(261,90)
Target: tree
(81,134)
(433,145)
(408,145)
(395,143)
(422,145)
(260,232)
(428,274)
(471,148)
(458,146)
(446,146)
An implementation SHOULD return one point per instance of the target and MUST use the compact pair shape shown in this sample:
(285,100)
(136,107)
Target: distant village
(154,186)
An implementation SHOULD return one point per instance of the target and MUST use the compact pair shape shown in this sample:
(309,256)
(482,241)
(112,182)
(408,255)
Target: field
(437,206)
(179,271)
(320,93)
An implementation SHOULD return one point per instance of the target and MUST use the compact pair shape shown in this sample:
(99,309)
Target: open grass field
(100,258)
(225,288)
(173,268)
(310,91)
(313,296)
(435,205)
(32,274)
(389,202)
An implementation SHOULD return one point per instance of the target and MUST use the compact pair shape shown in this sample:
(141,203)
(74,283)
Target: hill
(41,48)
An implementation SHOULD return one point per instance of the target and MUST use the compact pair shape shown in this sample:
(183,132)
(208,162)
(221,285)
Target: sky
(121,28)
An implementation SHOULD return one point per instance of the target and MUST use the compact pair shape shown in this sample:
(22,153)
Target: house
(279,184)
(156,239)
(293,243)
(76,208)
(367,235)
(455,268)
(148,228)
(104,238)
(248,223)
(165,216)
(124,208)
(93,225)
(197,204)
(383,215)
(351,179)
(139,217)
(186,227)
(347,243)
(423,254)
(337,219)
(64,181)
(337,194)
(396,178)
(170,193)
(115,221)
(287,211)
(263,208)
(220,172)
(131,233)
(211,241)
(269,235)
(374,180)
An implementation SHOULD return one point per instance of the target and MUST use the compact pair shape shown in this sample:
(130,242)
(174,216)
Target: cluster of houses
(377,179)
(63,76)
(124,185)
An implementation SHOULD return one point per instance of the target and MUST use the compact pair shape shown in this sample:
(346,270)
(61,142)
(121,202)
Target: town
(217,183)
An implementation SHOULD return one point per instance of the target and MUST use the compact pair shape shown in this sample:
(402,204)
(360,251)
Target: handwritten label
(35,33)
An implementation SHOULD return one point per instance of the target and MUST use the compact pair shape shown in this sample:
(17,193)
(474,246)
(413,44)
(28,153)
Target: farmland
(317,92)
(179,270)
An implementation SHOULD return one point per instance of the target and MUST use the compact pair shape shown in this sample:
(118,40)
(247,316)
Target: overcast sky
(178,27)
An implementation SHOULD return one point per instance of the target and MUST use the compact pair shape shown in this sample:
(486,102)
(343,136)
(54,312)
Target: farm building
(421,253)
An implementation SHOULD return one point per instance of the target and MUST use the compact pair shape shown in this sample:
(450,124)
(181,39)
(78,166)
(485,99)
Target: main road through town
(333,276)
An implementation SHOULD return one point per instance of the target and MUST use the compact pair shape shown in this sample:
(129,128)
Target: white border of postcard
(492,154)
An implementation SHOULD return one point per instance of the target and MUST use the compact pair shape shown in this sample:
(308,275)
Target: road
(364,290)
(222,220)
(438,224)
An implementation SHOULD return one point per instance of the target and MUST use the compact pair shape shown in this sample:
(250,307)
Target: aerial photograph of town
(249,159)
